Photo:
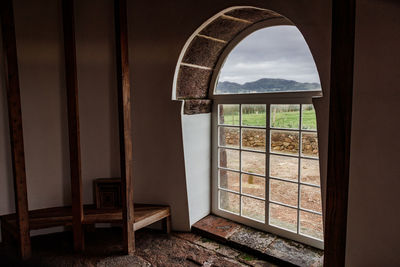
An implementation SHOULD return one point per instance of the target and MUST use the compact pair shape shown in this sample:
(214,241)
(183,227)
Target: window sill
(261,244)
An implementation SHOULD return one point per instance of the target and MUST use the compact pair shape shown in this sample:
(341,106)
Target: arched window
(265,145)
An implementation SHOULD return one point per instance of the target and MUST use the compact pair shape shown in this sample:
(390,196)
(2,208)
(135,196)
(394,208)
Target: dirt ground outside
(285,192)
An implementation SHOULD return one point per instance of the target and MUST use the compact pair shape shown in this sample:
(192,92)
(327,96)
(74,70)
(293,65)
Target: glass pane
(260,64)
(229,158)
(286,142)
(283,192)
(253,115)
(253,139)
(284,167)
(253,162)
(228,114)
(285,116)
(310,171)
(253,185)
(229,137)
(263,85)
(253,208)
(229,201)
(309,144)
(309,120)
(311,225)
(310,198)
(283,217)
(229,180)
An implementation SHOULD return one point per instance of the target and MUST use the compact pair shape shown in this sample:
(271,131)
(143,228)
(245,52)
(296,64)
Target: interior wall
(373,214)
(319,42)
(41,66)
(40,59)
(196,131)
(6,185)
(97,85)
(158,31)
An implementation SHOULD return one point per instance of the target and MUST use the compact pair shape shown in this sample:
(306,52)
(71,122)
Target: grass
(281,120)
(247,257)
(205,240)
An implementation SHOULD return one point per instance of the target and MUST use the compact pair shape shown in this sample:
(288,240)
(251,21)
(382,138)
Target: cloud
(273,52)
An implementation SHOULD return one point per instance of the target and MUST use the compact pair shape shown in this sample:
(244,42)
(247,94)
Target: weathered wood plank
(340,114)
(151,217)
(125,135)
(73,122)
(15,125)
(62,216)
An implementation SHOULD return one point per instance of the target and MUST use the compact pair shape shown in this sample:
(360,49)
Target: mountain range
(265,85)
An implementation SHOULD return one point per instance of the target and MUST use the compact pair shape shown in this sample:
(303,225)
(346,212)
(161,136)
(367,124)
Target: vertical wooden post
(125,135)
(73,123)
(15,124)
(340,114)
(166,224)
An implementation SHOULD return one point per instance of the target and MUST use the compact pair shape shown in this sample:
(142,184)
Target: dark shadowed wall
(374,212)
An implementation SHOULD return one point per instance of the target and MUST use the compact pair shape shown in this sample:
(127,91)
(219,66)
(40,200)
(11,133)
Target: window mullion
(267,150)
(240,159)
(245,208)
(299,169)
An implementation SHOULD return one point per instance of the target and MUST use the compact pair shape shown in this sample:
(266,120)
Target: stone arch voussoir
(204,49)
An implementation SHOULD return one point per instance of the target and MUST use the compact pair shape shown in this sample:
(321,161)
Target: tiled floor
(264,245)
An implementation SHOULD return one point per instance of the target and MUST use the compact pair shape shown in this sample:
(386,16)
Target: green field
(281,120)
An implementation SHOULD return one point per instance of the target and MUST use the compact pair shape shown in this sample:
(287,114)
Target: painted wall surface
(40,59)
(95,52)
(157,33)
(197,151)
(154,54)
(6,185)
(374,214)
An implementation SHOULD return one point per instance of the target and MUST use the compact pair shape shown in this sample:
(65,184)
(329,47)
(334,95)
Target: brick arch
(199,60)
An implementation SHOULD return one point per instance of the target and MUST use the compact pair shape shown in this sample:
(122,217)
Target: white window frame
(215,158)
(298,97)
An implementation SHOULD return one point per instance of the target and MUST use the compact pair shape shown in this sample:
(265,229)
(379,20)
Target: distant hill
(265,85)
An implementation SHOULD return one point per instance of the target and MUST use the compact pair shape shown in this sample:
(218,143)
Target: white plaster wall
(155,48)
(95,52)
(158,31)
(43,95)
(197,150)
(40,59)
(6,185)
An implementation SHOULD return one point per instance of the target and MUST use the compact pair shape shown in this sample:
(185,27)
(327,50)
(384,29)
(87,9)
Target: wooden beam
(73,123)
(125,135)
(15,124)
(340,114)
(166,224)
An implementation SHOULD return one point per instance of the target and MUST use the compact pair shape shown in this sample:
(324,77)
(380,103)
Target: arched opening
(265,145)
(196,77)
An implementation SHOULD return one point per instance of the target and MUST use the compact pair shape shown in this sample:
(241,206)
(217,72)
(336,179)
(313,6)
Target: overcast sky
(273,52)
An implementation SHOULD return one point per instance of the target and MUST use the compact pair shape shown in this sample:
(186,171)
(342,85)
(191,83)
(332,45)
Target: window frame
(309,94)
(268,101)
(295,97)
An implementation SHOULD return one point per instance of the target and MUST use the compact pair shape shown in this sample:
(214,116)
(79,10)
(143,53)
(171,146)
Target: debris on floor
(153,248)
